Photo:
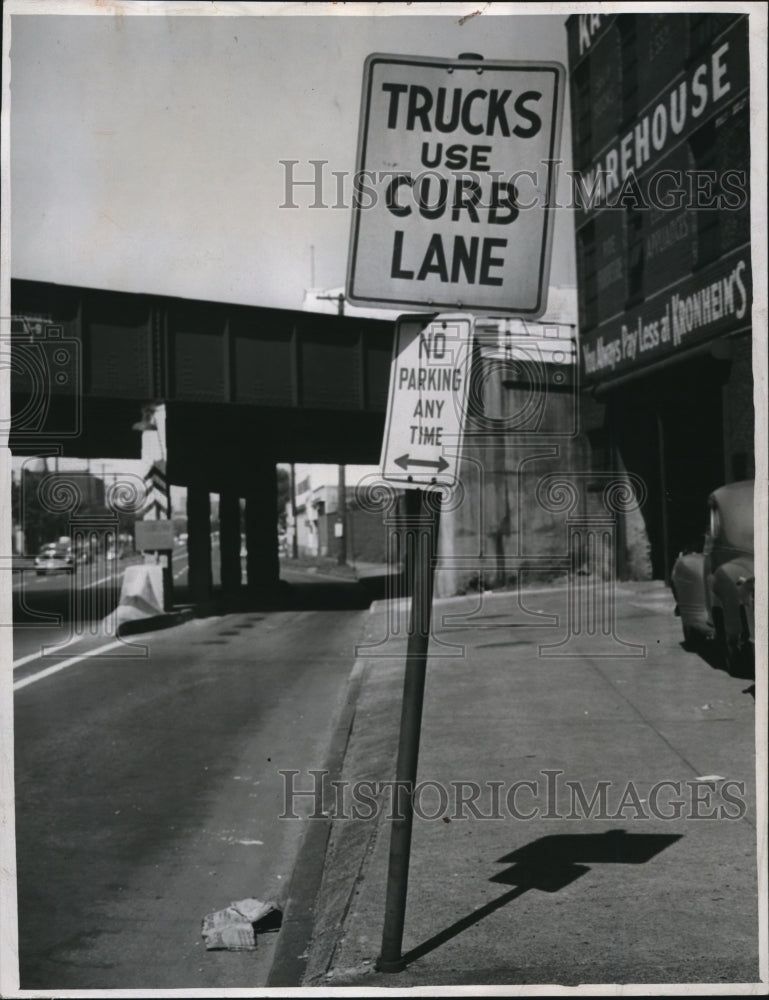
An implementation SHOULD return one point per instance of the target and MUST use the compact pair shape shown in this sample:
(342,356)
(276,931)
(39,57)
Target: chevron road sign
(155,532)
(157,499)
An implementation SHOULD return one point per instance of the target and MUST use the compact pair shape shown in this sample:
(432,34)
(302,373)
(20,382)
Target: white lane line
(83,586)
(56,667)
(26,583)
(105,579)
(40,654)
(184,569)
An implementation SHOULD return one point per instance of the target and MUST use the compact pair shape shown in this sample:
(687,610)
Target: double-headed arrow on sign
(405,462)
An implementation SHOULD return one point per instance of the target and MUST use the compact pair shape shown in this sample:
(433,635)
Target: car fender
(688,585)
(724,592)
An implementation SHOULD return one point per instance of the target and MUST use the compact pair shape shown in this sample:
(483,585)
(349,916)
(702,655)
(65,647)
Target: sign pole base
(397,965)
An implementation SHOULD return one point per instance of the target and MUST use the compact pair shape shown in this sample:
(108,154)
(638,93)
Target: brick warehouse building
(661,149)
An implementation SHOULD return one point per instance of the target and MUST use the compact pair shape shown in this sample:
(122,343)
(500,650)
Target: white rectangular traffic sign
(153,536)
(426,408)
(454,191)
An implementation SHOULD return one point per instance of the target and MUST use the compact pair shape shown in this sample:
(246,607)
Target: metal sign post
(461,156)
(421,544)
(426,410)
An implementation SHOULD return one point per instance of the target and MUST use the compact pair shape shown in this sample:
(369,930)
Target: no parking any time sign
(428,400)
(455,183)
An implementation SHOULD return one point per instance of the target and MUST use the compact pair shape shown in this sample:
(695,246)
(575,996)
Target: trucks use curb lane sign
(454,192)
(426,407)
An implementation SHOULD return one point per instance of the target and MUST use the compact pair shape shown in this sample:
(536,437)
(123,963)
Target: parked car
(712,587)
(54,558)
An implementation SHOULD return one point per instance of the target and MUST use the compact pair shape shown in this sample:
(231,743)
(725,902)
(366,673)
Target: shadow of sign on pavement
(550,864)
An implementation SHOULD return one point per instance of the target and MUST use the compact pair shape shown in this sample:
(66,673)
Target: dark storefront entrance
(668,429)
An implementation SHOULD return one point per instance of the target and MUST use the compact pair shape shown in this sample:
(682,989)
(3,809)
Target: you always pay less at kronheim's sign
(714,302)
(455,183)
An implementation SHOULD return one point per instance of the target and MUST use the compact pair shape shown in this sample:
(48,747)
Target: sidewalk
(327,566)
(549,883)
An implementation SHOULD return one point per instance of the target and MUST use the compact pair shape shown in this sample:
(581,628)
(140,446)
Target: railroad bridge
(244,387)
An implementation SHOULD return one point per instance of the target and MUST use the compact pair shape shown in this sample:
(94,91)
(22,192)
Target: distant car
(711,587)
(54,558)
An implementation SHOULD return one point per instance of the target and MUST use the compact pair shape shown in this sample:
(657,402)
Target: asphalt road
(148,790)
(58,611)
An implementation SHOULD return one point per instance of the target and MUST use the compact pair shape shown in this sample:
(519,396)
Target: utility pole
(295,539)
(341,512)
(341,483)
(339,299)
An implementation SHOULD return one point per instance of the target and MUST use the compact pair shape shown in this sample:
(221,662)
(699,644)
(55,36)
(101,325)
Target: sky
(145,150)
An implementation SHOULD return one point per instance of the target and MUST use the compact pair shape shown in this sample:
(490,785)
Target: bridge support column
(262,563)
(199,543)
(229,542)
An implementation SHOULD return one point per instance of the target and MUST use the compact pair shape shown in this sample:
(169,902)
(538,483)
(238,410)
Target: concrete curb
(370,754)
(405,602)
(299,920)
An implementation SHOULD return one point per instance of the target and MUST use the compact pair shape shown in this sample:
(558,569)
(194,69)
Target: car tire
(735,653)
(740,658)
(690,636)
(735,657)
(722,646)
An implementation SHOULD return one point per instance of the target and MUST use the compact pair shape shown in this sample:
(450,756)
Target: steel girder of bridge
(242,385)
